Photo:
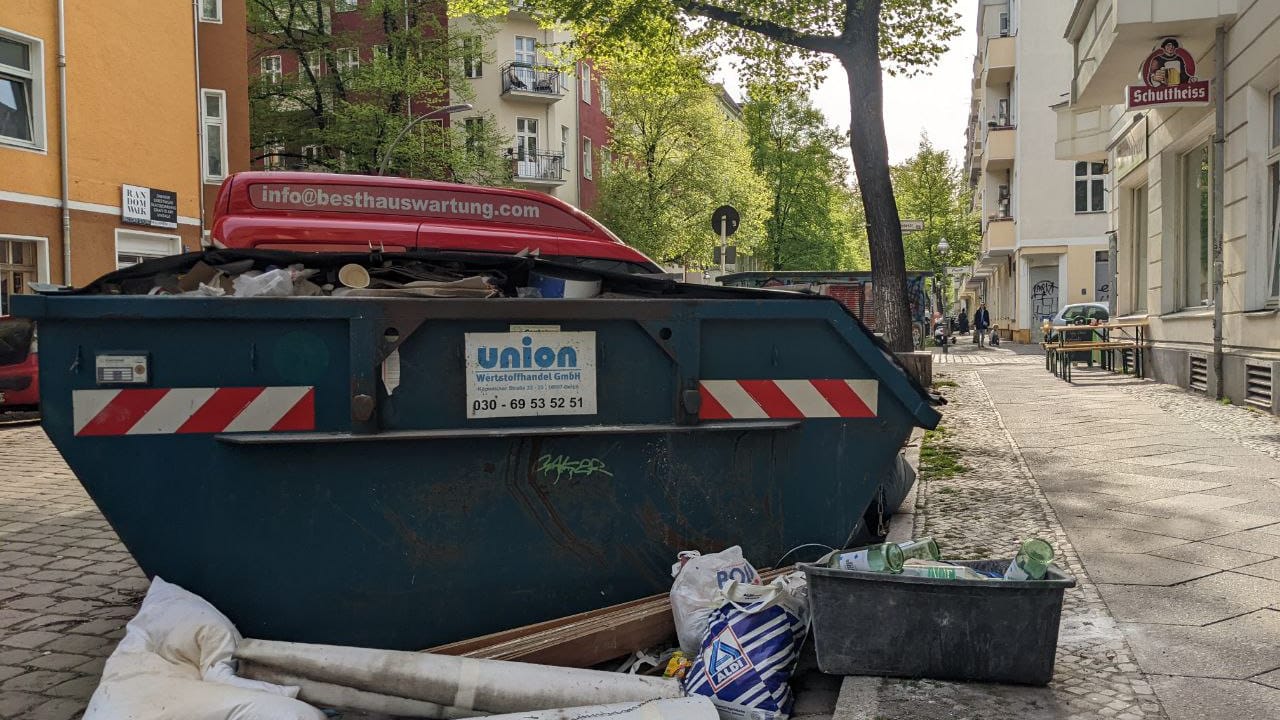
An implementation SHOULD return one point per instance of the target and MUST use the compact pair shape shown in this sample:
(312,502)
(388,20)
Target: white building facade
(1172,224)
(1044,242)
(552,115)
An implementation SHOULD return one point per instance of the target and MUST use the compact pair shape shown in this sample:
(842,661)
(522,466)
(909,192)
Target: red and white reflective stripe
(788,399)
(168,411)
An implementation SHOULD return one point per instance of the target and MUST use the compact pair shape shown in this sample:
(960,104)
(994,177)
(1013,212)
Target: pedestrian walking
(964,322)
(981,323)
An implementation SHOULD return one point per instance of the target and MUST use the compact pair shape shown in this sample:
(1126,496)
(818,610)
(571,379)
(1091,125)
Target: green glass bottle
(922,549)
(873,558)
(1031,562)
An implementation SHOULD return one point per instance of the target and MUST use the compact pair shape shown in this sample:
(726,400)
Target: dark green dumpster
(404,472)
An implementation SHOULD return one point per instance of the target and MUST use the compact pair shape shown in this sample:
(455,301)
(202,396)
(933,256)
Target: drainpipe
(1219,165)
(62,144)
(200,140)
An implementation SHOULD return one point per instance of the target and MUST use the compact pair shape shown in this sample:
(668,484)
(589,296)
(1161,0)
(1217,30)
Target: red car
(19,372)
(345,213)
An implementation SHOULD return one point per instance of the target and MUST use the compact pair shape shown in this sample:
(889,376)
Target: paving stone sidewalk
(986,512)
(67,586)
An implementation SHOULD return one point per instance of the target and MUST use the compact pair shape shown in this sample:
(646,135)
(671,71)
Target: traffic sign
(725,219)
(730,255)
(912,225)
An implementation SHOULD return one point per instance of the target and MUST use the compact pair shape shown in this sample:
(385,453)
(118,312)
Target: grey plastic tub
(868,623)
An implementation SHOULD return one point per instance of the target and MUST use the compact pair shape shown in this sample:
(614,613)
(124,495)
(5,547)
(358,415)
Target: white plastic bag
(751,648)
(698,579)
(273,283)
(175,663)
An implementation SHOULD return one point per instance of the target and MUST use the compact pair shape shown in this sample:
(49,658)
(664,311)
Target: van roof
(284,193)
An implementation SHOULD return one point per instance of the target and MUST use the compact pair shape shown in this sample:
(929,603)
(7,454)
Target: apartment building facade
(120,171)
(1145,84)
(1044,242)
(557,118)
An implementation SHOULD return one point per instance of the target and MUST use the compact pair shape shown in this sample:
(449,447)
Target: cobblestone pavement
(964,352)
(67,586)
(986,512)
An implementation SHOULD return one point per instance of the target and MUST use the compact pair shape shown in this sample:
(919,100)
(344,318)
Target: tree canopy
(930,187)
(677,153)
(811,225)
(346,103)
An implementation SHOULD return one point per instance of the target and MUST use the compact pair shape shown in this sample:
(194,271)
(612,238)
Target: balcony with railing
(530,168)
(539,83)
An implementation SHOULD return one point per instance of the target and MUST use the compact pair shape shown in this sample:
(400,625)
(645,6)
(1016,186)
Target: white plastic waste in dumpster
(489,685)
(174,663)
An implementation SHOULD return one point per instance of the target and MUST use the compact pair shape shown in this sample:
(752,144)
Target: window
(1197,213)
(21,91)
(348,59)
(564,142)
(315,62)
(133,247)
(584,70)
(379,53)
(526,138)
(344,5)
(1089,187)
(272,156)
(213,115)
(1139,257)
(269,69)
(17,268)
(586,157)
(606,97)
(1004,24)
(211,10)
(474,127)
(472,57)
(1273,183)
(312,154)
(526,51)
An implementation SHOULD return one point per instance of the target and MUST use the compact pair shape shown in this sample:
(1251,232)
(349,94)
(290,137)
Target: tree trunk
(861,60)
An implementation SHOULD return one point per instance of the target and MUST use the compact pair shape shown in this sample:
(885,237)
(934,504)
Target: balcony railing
(536,167)
(532,80)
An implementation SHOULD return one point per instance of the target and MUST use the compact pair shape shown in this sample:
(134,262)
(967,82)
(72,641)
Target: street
(1165,506)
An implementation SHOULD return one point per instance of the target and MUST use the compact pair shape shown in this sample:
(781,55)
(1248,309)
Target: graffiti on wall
(1044,299)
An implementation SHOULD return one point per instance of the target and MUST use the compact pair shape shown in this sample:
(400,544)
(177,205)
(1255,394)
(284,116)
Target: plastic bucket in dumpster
(400,472)
(869,623)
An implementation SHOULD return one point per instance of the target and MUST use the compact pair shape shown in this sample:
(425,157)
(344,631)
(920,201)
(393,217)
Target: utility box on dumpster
(874,623)
(403,472)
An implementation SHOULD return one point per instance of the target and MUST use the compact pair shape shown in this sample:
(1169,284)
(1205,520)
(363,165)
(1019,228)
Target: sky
(936,103)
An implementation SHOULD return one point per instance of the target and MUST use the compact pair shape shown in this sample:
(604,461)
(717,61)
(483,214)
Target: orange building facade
(148,130)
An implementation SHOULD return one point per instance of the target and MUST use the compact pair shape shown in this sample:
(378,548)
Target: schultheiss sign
(1169,79)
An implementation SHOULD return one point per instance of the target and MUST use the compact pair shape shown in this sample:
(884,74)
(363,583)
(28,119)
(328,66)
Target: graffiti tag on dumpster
(527,374)
(562,466)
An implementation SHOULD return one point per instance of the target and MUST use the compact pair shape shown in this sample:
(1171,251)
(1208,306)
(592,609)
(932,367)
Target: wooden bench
(1058,355)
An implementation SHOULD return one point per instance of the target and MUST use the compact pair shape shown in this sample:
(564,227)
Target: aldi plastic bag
(750,651)
(698,579)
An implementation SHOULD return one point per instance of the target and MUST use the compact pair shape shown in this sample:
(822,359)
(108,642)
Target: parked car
(1079,314)
(327,212)
(19,372)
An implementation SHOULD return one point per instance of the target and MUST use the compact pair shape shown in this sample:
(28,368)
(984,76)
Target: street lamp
(448,110)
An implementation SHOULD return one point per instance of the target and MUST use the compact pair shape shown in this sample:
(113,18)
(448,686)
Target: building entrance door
(1044,298)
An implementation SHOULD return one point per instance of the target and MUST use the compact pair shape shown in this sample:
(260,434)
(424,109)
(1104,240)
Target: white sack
(490,685)
(337,696)
(175,663)
(698,579)
(691,708)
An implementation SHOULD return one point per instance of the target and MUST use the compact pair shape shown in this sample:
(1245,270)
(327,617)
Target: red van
(328,212)
(19,371)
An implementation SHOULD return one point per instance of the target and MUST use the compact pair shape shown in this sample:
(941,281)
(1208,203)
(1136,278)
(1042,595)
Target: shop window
(1090,187)
(1273,182)
(17,268)
(21,91)
(133,247)
(1197,221)
(1138,299)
